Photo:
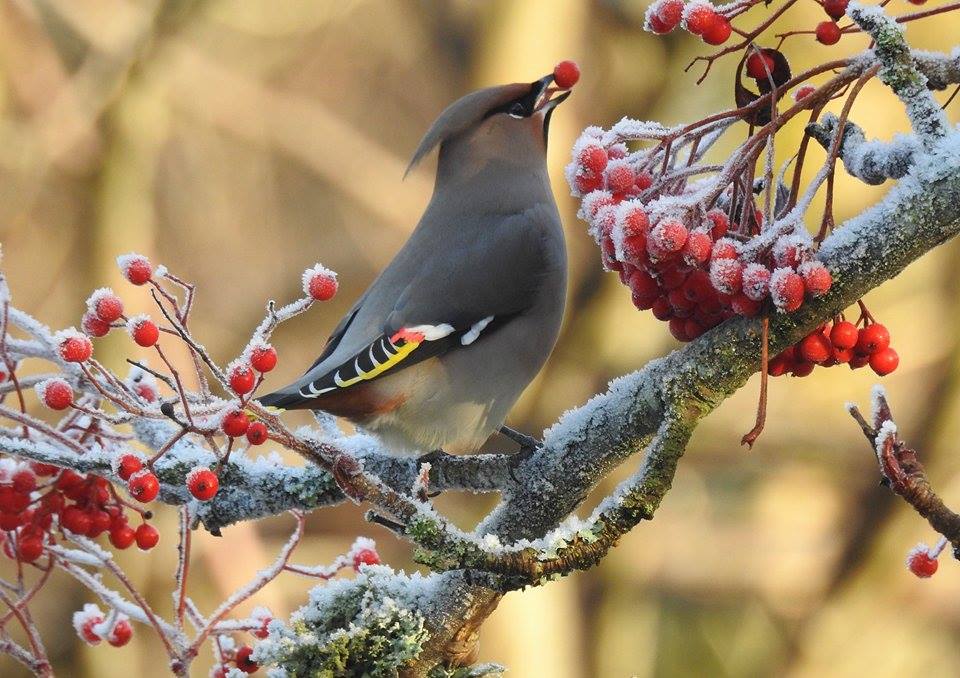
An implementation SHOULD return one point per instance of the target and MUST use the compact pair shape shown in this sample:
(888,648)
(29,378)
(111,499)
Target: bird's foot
(528,445)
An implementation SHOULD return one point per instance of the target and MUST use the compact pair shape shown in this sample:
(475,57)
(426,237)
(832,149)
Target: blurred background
(240,142)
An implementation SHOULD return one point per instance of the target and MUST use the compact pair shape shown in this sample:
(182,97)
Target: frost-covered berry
(105,305)
(143,486)
(700,17)
(593,158)
(873,338)
(828,33)
(670,12)
(803,92)
(644,180)
(669,235)
(235,423)
(844,335)
(73,346)
(566,74)
(241,378)
(147,537)
(756,281)
(760,65)
(24,481)
(726,275)
(203,483)
(717,32)
(720,223)
(920,562)
(320,283)
(243,660)
(84,622)
(365,556)
(136,268)
(816,348)
(143,330)
(786,289)
(816,278)
(121,633)
(698,248)
(724,248)
(55,393)
(620,176)
(257,433)
(93,326)
(884,361)
(835,9)
(263,358)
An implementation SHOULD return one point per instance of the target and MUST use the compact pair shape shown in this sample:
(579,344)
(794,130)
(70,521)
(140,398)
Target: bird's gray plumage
(487,259)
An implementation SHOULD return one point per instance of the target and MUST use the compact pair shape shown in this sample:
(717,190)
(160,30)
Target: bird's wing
(449,303)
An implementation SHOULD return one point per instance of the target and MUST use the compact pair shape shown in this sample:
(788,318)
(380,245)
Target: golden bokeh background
(240,141)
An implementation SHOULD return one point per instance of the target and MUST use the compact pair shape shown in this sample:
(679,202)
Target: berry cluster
(692,267)
(38,500)
(838,344)
(699,17)
(92,626)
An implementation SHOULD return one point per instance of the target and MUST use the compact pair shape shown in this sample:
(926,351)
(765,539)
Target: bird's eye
(517,110)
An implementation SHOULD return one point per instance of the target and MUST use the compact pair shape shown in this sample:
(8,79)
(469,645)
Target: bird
(436,351)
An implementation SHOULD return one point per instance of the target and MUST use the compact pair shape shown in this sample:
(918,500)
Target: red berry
(144,486)
(242,379)
(244,663)
(75,348)
(760,65)
(263,358)
(669,235)
(587,183)
(670,12)
(842,355)
(816,348)
(644,180)
(744,305)
(698,248)
(718,32)
(593,158)
(658,25)
(129,464)
(257,433)
(122,536)
(803,92)
(620,176)
(844,335)
(816,278)
(55,393)
(884,361)
(87,632)
(566,74)
(144,332)
(235,424)
(700,18)
(917,2)
(108,307)
(835,9)
(828,33)
(365,556)
(29,549)
(203,483)
(320,283)
(136,268)
(99,523)
(24,481)
(802,368)
(756,281)
(726,275)
(44,470)
(147,537)
(786,289)
(93,326)
(873,338)
(121,633)
(920,563)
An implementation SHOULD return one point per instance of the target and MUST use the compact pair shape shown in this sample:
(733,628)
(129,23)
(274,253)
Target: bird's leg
(528,444)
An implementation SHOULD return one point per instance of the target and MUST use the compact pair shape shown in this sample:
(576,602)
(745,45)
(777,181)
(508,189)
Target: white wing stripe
(473,333)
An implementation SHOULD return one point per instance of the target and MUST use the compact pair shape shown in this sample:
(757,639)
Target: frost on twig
(902,471)
(873,162)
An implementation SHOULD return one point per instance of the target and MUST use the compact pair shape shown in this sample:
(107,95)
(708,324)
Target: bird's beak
(546,101)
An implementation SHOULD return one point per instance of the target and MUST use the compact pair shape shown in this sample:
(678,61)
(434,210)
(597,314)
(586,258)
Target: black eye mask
(521,107)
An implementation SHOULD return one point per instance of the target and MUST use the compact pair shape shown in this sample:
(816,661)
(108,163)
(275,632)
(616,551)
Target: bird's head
(505,125)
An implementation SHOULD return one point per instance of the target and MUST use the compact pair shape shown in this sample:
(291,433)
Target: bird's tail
(280,400)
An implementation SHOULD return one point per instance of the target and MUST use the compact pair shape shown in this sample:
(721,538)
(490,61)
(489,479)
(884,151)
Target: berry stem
(751,437)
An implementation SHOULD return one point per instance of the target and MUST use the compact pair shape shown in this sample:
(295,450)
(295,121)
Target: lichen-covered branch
(872,162)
